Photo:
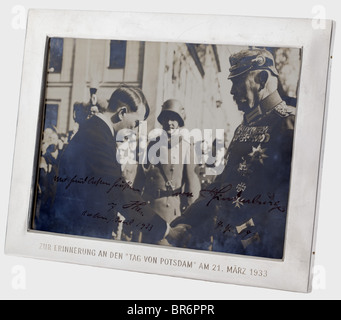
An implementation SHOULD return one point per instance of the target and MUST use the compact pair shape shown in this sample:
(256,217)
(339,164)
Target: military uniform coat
(245,210)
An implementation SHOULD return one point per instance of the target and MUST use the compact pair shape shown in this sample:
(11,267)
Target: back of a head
(131,97)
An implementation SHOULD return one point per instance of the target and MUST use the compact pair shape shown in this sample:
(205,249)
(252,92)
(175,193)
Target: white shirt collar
(107,121)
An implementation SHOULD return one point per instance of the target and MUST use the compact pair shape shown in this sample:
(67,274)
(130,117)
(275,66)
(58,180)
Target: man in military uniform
(246,208)
(168,179)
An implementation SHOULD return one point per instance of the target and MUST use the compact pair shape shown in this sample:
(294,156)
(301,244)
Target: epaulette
(284,111)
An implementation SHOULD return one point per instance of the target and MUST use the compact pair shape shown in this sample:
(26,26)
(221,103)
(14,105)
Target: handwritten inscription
(117,220)
(183,194)
(80,181)
(94,181)
(213,194)
(228,228)
(122,184)
(135,205)
(95,216)
(220,194)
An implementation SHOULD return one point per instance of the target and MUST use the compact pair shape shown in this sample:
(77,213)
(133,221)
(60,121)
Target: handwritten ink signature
(214,194)
(117,220)
(80,181)
(220,194)
(228,228)
(217,194)
(95,181)
(183,194)
(135,205)
(123,185)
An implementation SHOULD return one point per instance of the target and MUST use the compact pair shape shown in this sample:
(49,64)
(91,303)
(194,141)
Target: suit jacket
(91,189)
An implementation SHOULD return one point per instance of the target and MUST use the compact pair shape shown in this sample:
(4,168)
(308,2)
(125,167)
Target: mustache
(238,99)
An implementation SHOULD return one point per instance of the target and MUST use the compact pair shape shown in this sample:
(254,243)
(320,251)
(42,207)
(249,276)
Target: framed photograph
(180,145)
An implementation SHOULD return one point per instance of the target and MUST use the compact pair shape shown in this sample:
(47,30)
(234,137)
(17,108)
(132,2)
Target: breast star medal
(258,154)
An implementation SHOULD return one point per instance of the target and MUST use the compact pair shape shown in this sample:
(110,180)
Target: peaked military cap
(252,59)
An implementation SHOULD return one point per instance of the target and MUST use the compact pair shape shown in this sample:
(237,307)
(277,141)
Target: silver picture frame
(293,271)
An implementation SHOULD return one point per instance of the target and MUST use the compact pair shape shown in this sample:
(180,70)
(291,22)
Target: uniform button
(167,205)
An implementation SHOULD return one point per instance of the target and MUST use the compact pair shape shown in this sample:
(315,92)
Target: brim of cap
(163,115)
(237,73)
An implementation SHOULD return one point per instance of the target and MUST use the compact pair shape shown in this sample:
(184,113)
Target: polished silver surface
(294,272)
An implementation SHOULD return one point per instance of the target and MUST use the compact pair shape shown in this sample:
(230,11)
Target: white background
(25,278)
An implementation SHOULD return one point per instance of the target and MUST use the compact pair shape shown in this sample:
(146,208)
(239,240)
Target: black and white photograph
(169,153)
(174,144)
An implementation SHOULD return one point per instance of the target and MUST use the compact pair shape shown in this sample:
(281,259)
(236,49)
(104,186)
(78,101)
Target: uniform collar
(265,106)
(107,121)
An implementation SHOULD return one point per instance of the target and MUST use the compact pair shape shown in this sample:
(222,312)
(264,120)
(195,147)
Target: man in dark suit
(90,187)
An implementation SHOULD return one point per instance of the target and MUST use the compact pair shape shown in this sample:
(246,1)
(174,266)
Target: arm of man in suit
(101,158)
(98,152)
(136,207)
(140,178)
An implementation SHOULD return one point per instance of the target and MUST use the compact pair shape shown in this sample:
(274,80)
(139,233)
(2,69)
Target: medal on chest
(252,134)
